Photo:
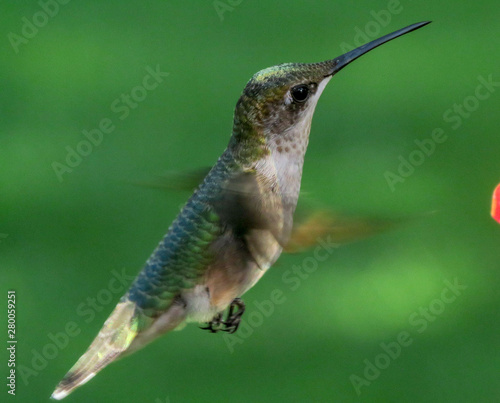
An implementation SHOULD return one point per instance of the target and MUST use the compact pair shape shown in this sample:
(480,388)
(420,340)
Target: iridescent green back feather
(184,252)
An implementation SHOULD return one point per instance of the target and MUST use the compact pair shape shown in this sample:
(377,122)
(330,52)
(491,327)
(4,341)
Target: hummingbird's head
(278,103)
(275,110)
(276,98)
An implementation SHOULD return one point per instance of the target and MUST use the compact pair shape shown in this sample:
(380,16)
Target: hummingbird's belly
(198,305)
(239,262)
(221,287)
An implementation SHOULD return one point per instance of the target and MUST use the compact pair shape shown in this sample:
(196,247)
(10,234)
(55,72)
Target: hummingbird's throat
(288,150)
(294,139)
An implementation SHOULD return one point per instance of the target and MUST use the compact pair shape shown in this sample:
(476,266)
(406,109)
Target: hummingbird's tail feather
(115,337)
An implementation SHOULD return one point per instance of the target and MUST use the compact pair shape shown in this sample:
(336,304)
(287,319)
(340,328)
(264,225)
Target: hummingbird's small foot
(233,318)
(215,324)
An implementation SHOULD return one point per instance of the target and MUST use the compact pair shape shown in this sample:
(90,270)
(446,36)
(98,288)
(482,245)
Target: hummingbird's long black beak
(340,62)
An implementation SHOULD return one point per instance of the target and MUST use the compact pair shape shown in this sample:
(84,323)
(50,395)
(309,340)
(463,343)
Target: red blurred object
(495,204)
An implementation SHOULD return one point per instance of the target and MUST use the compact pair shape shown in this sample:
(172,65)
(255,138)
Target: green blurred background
(62,240)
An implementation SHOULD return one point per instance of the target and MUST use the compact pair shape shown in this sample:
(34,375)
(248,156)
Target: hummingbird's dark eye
(300,93)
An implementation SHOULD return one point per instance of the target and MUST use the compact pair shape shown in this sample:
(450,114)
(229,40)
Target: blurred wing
(177,180)
(340,229)
(253,210)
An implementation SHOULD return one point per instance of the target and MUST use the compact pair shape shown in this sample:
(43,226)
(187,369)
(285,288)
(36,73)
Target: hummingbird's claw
(215,324)
(233,318)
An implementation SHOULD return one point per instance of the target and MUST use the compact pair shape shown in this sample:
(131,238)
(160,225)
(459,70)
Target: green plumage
(183,254)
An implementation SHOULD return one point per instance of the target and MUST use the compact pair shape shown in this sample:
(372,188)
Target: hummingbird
(234,226)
